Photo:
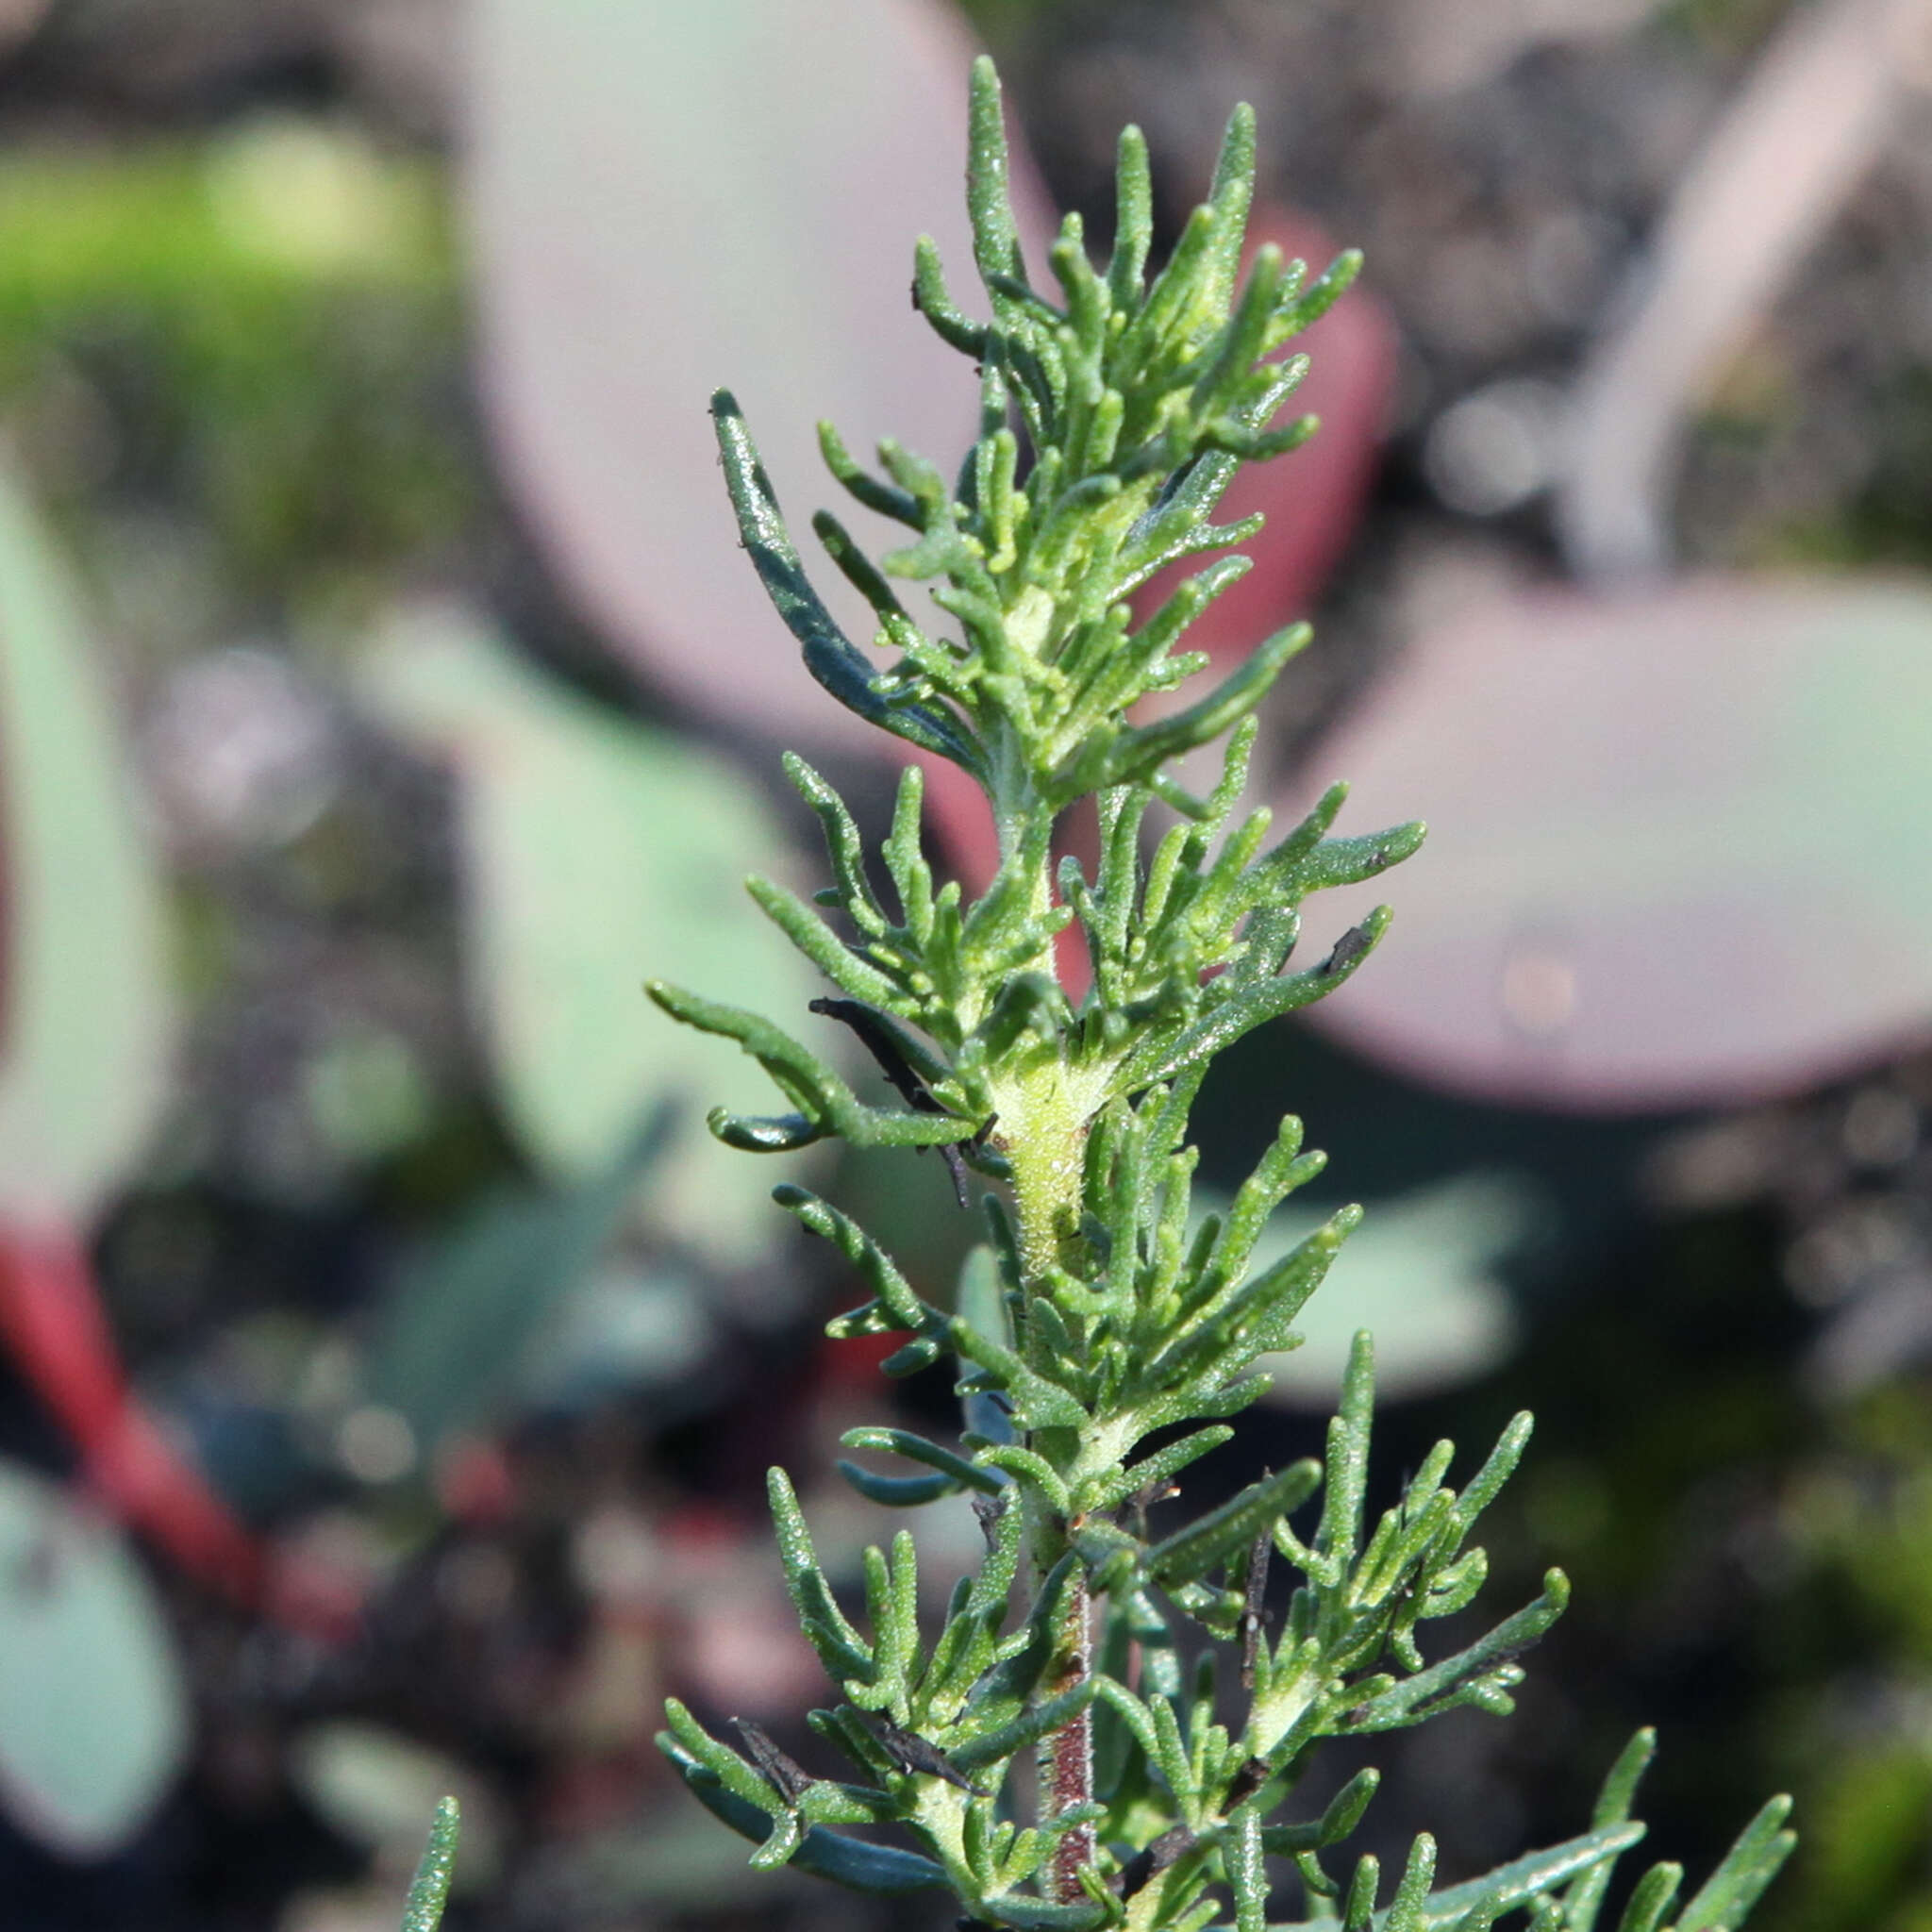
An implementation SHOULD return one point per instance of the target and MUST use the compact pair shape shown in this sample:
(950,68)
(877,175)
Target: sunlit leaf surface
(1313,497)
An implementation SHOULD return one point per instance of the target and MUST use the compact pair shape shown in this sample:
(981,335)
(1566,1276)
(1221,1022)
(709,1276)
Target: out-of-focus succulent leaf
(84,1046)
(1419,1272)
(20,21)
(374,1785)
(197,232)
(1676,849)
(662,201)
(94,1715)
(623,1329)
(458,1334)
(574,895)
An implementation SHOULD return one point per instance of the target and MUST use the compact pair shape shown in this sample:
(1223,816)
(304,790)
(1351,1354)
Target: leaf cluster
(1186,1788)
(957,1004)
(1110,425)
(1106,1332)
(1111,422)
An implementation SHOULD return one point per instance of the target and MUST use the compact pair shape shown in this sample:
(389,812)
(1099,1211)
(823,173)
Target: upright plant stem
(1109,426)
(1066,1756)
(1047,1158)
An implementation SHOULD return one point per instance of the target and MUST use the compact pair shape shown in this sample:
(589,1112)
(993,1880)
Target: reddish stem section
(54,1326)
(1067,1756)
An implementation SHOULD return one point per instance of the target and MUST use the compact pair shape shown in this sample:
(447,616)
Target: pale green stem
(1045,1148)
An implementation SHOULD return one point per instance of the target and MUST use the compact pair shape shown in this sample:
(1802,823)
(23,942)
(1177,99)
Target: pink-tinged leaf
(1680,843)
(665,199)
(958,809)
(1313,497)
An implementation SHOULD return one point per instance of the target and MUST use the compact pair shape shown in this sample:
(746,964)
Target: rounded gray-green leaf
(598,853)
(87,1024)
(375,1788)
(94,1715)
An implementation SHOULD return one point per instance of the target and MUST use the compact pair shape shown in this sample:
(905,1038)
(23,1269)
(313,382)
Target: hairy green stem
(1046,1149)
(1045,1144)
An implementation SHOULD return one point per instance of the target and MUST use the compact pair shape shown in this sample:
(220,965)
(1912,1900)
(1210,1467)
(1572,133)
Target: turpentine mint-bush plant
(1104,1336)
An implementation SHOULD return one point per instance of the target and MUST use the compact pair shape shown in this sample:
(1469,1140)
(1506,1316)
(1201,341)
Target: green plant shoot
(1059,1751)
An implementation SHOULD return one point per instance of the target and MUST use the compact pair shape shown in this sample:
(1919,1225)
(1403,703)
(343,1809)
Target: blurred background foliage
(388,1364)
